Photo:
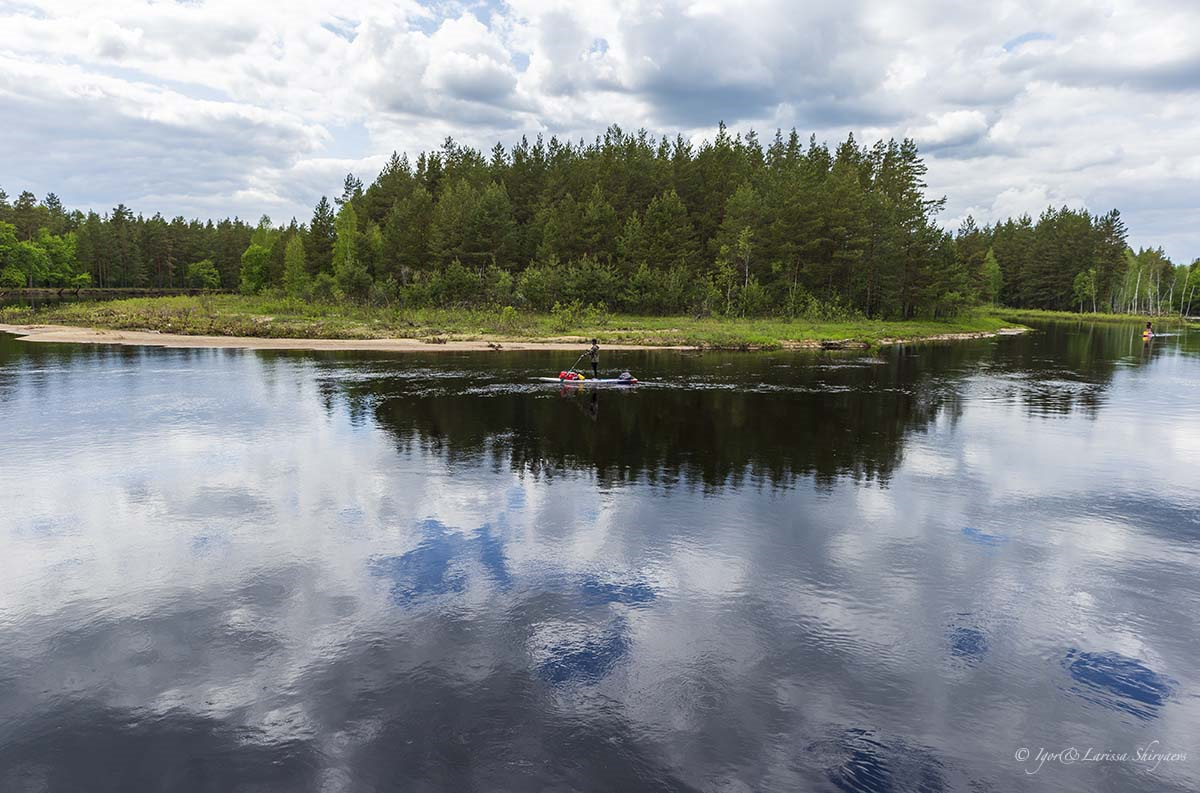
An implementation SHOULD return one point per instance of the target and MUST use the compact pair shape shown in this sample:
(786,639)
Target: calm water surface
(238,571)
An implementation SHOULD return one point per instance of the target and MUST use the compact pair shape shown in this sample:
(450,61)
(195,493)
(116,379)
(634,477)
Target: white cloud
(233,107)
(951,128)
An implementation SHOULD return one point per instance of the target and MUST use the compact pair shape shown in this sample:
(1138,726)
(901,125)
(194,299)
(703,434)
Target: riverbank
(264,323)
(1035,314)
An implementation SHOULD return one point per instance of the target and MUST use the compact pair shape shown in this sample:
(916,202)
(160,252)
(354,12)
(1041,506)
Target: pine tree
(352,190)
(670,238)
(406,242)
(453,215)
(319,240)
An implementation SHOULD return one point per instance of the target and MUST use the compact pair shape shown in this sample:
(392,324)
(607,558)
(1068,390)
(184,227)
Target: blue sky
(219,107)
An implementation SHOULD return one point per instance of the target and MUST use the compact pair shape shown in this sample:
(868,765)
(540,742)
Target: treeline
(1072,260)
(629,221)
(43,244)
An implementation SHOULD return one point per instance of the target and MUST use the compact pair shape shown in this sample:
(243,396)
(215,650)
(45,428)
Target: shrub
(588,279)
(384,292)
(353,281)
(564,317)
(539,285)
(509,320)
(497,286)
(596,315)
(753,300)
(203,275)
(323,288)
(455,285)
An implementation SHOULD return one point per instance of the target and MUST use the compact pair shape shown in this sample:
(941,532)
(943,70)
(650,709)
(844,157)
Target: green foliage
(540,285)
(44,259)
(725,227)
(60,255)
(565,316)
(1071,259)
(203,275)
(1084,288)
(11,278)
(753,300)
(255,269)
(991,278)
(510,320)
(349,270)
(323,288)
(31,260)
(596,315)
(670,239)
(295,269)
(455,285)
(574,314)
(406,235)
(385,292)
(270,314)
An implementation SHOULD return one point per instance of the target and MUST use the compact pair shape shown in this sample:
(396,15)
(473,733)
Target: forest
(629,222)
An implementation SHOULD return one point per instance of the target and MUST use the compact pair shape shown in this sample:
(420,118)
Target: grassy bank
(266,317)
(1034,314)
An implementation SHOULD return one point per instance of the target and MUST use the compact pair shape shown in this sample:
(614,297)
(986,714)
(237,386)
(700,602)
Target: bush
(509,320)
(322,288)
(353,281)
(455,285)
(950,304)
(539,286)
(802,304)
(384,293)
(586,279)
(11,278)
(596,315)
(565,317)
(203,275)
(497,286)
(753,300)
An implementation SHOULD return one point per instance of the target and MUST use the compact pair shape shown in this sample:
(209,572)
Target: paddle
(577,360)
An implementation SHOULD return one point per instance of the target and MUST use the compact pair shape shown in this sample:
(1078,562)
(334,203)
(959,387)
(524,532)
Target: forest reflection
(725,419)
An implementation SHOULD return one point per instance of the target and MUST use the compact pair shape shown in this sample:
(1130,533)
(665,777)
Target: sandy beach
(141,338)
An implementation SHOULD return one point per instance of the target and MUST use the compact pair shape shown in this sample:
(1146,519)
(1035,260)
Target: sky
(211,108)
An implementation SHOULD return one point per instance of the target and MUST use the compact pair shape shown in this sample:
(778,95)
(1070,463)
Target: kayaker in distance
(594,351)
(1149,331)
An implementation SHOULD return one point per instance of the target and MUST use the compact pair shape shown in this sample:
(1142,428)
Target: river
(927,570)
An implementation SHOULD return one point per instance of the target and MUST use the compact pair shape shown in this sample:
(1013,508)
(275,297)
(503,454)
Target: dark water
(238,571)
(40,301)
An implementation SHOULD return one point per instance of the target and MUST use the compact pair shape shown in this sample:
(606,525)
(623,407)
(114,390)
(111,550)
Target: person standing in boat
(594,352)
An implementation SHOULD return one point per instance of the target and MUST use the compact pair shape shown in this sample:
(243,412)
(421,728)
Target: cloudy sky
(216,107)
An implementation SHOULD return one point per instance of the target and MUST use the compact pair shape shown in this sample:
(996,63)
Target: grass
(274,317)
(1018,314)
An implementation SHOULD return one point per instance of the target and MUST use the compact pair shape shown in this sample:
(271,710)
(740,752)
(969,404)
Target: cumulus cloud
(231,107)
(952,128)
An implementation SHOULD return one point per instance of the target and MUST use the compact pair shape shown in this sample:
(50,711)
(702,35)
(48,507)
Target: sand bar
(66,333)
(146,338)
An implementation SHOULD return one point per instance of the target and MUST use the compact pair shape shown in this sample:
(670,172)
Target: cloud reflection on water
(500,600)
